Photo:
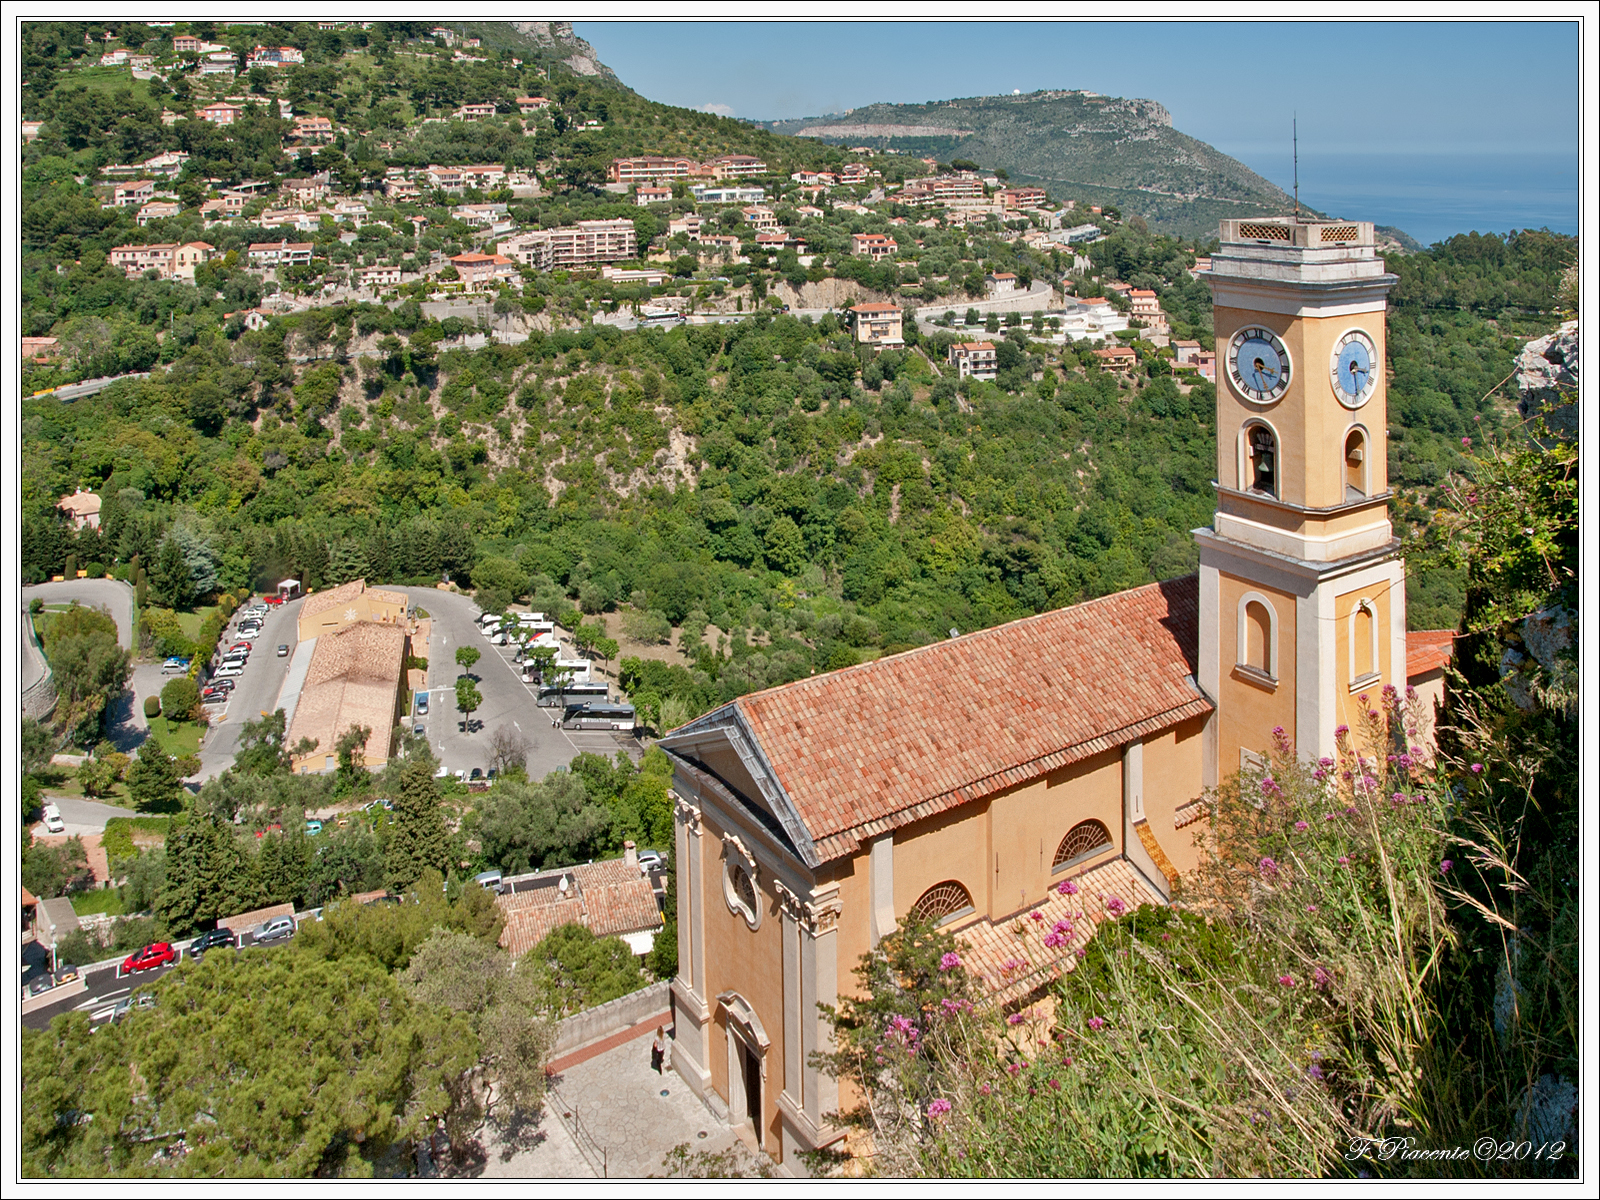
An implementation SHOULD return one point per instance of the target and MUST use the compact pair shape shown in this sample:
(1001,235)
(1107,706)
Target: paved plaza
(620,1125)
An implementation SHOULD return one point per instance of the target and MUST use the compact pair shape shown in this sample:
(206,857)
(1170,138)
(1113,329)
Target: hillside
(1078,145)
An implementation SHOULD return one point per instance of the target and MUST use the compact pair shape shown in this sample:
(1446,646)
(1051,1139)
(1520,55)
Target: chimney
(630,854)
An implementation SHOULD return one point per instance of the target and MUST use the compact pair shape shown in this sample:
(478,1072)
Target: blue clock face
(1354,368)
(1258,364)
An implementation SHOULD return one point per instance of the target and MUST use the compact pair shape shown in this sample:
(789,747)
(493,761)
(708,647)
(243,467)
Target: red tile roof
(1428,650)
(873,747)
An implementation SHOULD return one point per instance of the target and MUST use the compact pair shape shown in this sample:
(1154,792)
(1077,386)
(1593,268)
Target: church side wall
(1247,711)
(1172,778)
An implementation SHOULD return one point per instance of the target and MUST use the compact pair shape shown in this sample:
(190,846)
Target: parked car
(649,861)
(313,826)
(250,633)
(157,954)
(274,599)
(210,941)
(385,804)
(230,671)
(283,649)
(422,704)
(175,666)
(274,929)
(52,819)
(420,730)
(245,646)
(475,774)
(223,686)
(488,879)
(128,1003)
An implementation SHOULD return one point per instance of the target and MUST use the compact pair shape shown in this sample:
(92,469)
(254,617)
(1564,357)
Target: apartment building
(974,359)
(706,194)
(479,270)
(140,191)
(582,244)
(650,169)
(1023,197)
(877,324)
(279,254)
(736,166)
(873,245)
(170,260)
(651,195)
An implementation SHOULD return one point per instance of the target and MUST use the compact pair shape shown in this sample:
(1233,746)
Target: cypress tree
(418,840)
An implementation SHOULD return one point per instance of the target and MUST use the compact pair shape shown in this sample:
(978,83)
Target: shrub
(180,698)
(152,707)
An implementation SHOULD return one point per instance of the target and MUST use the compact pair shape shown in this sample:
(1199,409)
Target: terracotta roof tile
(618,908)
(332,598)
(353,680)
(528,926)
(609,898)
(1009,957)
(1428,650)
(873,747)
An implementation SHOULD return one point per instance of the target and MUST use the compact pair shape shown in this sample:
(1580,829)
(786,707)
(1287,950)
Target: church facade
(967,780)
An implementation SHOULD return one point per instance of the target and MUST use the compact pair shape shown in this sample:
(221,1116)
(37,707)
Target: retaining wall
(612,1017)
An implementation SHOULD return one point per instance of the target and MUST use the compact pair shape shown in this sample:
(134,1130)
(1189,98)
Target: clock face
(1353,367)
(1258,364)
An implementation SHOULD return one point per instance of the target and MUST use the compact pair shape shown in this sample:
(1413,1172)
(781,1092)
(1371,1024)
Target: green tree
(153,780)
(473,976)
(524,825)
(467,657)
(418,841)
(261,747)
(208,875)
(468,700)
(583,970)
(336,1070)
(180,699)
(351,748)
(35,745)
(169,578)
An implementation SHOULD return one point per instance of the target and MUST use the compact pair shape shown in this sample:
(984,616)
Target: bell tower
(1302,591)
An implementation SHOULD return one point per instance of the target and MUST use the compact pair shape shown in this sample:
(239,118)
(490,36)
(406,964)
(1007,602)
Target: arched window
(943,902)
(1257,653)
(1364,658)
(1356,486)
(1083,841)
(1260,460)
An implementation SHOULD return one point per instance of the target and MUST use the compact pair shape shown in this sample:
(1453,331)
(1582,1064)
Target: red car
(273,599)
(245,646)
(157,954)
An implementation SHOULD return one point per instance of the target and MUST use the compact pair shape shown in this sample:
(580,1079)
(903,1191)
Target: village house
(380,276)
(456,179)
(473,112)
(974,359)
(169,260)
(186,43)
(1023,197)
(873,245)
(480,270)
(313,130)
(1000,283)
(610,898)
(736,166)
(819,179)
(1119,360)
(126,195)
(275,56)
(814,817)
(252,318)
(688,225)
(650,169)
(706,194)
(294,218)
(877,325)
(758,218)
(41,349)
(220,114)
(651,195)
(158,210)
(279,254)
(854,174)
(82,509)
(531,104)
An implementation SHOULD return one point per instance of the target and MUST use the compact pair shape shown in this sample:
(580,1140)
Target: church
(1054,764)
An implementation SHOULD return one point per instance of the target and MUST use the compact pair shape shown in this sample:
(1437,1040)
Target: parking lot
(255,691)
(507,701)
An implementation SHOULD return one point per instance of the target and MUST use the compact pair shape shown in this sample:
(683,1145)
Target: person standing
(658,1049)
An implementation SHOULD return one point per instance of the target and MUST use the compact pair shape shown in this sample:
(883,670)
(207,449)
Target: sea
(1433,196)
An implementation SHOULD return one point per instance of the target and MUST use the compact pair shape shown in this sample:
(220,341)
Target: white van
(52,819)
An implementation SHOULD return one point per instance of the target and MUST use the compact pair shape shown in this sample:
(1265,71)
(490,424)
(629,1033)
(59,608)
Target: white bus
(599,716)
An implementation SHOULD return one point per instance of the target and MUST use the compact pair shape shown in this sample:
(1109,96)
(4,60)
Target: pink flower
(1013,1068)
(1476,768)
(1063,926)
(949,961)
(939,1107)
(1036,916)
(1116,907)
(1320,979)
(1328,817)
(1055,1084)
(1286,980)
(1079,953)
(984,1088)
(1013,964)
(1301,827)
(1054,940)
(1467,442)
(1444,867)
(1268,868)
(1015,1019)
(1325,762)
(1352,811)
(1344,860)
(1097,1023)
(1363,698)
(1310,908)
(1067,888)
(1341,731)
(1269,786)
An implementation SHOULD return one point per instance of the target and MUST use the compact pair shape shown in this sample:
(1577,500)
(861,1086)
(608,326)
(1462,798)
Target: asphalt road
(84,816)
(108,985)
(506,699)
(255,692)
(113,595)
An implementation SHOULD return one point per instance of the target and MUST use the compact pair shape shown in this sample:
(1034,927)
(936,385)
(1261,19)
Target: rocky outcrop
(1547,379)
(558,36)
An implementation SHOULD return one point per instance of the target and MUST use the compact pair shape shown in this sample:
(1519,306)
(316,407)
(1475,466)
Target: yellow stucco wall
(1309,421)
(1172,778)
(1246,711)
(1348,702)
(751,963)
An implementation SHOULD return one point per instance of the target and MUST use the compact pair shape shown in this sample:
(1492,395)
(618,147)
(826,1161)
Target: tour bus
(581,691)
(599,716)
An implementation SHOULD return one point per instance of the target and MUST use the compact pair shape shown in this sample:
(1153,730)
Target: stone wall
(612,1017)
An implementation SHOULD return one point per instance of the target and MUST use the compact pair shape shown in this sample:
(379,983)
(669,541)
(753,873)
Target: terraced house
(965,781)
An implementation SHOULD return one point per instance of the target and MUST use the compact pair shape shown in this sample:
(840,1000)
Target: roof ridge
(990,631)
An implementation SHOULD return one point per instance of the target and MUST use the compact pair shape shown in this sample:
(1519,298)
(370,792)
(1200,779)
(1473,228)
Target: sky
(1437,87)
